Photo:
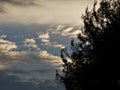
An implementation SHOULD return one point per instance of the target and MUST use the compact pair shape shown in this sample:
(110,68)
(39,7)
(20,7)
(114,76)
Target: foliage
(91,55)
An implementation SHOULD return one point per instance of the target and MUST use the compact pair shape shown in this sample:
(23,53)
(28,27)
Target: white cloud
(60,27)
(30,42)
(12,61)
(3,36)
(23,60)
(54,44)
(57,45)
(72,34)
(6,46)
(45,40)
(66,30)
(53,60)
(31,64)
(44,36)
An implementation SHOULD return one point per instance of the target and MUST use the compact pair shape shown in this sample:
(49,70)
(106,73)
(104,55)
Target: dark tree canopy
(103,27)
(94,61)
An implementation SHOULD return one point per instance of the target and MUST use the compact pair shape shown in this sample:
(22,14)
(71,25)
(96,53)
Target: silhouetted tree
(94,61)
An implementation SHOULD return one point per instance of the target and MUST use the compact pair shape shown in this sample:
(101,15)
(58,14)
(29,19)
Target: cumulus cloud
(11,57)
(60,27)
(44,37)
(8,52)
(52,59)
(23,65)
(57,45)
(66,30)
(71,34)
(2,36)
(30,42)
(6,46)
(25,61)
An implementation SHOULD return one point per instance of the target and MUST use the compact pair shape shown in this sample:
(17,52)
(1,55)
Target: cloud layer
(32,54)
(43,11)
(19,2)
(42,43)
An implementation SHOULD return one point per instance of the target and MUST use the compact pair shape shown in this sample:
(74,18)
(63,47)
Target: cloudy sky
(43,11)
(32,33)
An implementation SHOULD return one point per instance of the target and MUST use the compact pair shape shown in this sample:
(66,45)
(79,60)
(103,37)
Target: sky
(32,34)
(43,11)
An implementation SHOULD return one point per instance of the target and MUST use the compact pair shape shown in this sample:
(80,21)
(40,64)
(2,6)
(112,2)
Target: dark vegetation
(94,61)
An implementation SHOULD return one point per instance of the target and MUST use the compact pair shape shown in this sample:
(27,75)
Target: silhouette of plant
(94,54)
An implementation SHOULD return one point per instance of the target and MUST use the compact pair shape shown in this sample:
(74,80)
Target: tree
(95,58)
